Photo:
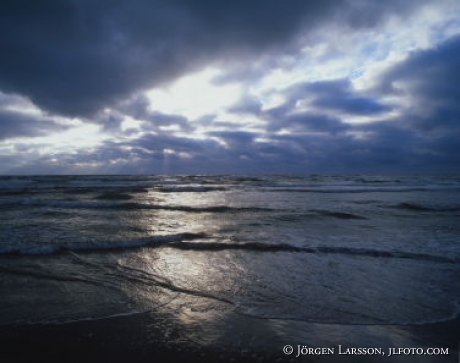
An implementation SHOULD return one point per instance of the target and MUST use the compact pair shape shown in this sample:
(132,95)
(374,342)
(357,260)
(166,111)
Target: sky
(241,86)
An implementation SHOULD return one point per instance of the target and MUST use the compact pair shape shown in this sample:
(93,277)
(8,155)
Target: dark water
(371,250)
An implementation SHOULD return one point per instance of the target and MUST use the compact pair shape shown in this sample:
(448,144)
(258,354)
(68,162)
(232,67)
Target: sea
(327,250)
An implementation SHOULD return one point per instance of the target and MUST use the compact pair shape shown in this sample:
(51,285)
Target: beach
(229,268)
(144,338)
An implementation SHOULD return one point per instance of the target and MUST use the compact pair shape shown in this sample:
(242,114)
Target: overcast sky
(201,86)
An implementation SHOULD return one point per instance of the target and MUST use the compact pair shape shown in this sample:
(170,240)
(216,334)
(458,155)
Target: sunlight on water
(178,216)
(333,250)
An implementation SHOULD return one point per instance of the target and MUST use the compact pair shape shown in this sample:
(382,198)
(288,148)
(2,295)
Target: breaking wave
(183,241)
(424,208)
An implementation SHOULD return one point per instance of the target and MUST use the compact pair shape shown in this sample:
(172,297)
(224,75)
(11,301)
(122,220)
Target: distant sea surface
(347,250)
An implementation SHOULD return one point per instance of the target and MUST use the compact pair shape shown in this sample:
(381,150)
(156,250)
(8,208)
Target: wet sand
(155,337)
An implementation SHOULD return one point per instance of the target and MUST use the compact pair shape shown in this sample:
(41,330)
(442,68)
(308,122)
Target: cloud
(337,95)
(246,104)
(386,146)
(429,80)
(305,122)
(353,105)
(15,124)
(76,57)
(94,59)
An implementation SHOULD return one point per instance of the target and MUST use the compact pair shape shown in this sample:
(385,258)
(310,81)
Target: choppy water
(324,249)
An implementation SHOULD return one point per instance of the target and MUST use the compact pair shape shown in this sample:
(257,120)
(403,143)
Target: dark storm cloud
(337,95)
(366,14)
(385,146)
(136,106)
(326,105)
(79,57)
(431,79)
(111,121)
(75,57)
(313,122)
(149,154)
(333,88)
(320,141)
(14,124)
(353,105)
(425,135)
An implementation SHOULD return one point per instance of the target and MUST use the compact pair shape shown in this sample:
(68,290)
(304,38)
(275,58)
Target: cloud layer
(87,62)
(76,57)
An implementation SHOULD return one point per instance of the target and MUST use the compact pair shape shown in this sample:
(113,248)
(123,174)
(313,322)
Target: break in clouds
(236,86)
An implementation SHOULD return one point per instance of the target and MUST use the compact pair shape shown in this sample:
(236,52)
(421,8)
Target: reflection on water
(313,287)
(165,222)
(186,288)
(295,258)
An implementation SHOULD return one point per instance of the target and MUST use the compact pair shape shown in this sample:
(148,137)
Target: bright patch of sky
(358,56)
(194,95)
(82,136)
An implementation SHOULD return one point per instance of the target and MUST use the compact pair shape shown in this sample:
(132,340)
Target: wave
(184,208)
(78,190)
(118,189)
(114,196)
(188,189)
(14,192)
(281,247)
(340,215)
(92,246)
(352,189)
(377,181)
(315,214)
(109,277)
(424,208)
(96,189)
(129,205)
(186,241)
(212,209)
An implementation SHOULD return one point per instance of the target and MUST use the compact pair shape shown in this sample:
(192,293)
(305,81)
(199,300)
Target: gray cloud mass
(76,58)
(15,124)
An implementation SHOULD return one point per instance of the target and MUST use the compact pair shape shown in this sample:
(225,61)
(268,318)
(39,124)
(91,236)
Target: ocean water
(370,250)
